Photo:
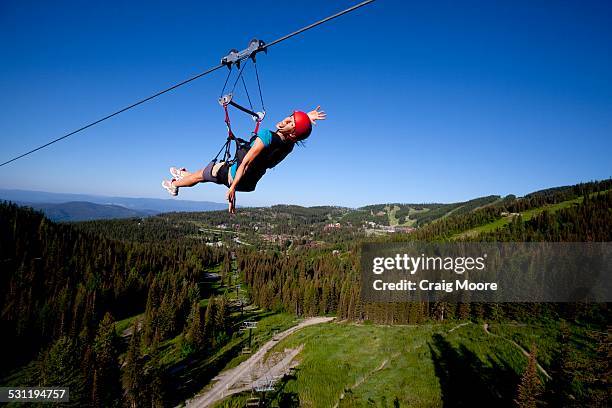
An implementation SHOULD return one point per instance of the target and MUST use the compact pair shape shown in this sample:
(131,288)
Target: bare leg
(190,179)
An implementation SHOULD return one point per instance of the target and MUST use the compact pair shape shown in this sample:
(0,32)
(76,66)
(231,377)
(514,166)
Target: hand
(317,114)
(231,197)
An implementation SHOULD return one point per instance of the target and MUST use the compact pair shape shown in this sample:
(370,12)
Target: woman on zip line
(264,151)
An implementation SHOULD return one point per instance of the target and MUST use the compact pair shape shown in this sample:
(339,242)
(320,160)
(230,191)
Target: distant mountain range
(85,211)
(82,207)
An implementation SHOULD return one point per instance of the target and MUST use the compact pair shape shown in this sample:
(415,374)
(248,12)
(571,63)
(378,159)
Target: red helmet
(303,125)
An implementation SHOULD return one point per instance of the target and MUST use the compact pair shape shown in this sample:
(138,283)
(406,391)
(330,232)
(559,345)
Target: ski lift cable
(193,78)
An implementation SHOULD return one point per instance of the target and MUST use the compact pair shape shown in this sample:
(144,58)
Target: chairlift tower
(261,387)
(249,325)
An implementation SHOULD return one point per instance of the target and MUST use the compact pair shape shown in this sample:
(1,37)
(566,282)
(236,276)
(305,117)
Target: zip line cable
(193,78)
(313,25)
(114,114)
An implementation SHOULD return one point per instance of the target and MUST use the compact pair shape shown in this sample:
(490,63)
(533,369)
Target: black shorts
(220,178)
(247,183)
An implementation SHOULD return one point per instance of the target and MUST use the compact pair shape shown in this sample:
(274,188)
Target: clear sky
(426,101)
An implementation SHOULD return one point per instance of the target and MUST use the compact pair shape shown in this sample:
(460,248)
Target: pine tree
(133,383)
(222,315)
(194,331)
(209,322)
(153,374)
(60,367)
(529,388)
(478,311)
(597,373)
(107,386)
(559,389)
(226,269)
(463,311)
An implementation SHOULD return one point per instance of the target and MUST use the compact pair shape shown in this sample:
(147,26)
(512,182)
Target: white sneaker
(177,173)
(170,188)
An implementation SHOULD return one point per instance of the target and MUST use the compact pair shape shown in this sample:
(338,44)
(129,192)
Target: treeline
(300,284)
(588,221)
(298,225)
(99,374)
(91,369)
(564,193)
(454,209)
(447,227)
(360,216)
(150,229)
(59,281)
(322,283)
(276,214)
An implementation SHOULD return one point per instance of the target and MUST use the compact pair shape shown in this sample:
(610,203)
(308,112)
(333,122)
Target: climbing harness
(236,58)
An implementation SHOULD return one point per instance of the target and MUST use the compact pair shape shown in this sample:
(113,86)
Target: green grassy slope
(427,365)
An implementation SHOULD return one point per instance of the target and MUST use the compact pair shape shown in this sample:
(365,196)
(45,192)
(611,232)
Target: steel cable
(193,78)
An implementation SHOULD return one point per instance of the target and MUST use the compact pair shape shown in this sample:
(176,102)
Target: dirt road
(227,379)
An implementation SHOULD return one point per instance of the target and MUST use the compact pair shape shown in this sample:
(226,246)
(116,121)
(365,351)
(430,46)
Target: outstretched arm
(317,114)
(257,147)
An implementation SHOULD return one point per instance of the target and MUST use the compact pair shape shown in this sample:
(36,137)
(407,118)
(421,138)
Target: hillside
(149,205)
(412,215)
(85,211)
(427,365)
(157,306)
(283,226)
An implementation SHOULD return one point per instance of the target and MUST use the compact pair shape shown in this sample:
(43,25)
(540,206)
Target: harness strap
(225,148)
(230,134)
(240,143)
(256,127)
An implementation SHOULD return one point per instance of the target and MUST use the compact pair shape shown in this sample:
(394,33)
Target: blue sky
(426,101)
